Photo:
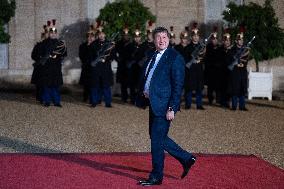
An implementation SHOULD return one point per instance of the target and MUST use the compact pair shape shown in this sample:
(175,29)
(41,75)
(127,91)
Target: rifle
(105,50)
(198,49)
(239,54)
(60,49)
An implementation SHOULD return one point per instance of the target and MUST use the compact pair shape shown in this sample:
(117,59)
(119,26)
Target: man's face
(91,38)
(172,40)
(53,35)
(137,39)
(227,43)
(195,38)
(214,41)
(184,41)
(102,36)
(240,42)
(161,41)
(126,37)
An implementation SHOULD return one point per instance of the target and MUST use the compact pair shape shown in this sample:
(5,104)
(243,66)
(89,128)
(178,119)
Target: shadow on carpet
(123,170)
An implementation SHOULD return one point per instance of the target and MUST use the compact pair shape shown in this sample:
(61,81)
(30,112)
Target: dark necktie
(151,64)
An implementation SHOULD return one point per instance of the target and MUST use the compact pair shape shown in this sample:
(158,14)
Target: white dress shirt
(148,80)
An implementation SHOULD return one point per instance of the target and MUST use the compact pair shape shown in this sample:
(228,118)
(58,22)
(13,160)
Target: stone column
(21,29)
(3,56)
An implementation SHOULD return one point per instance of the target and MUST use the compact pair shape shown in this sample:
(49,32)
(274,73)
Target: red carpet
(122,170)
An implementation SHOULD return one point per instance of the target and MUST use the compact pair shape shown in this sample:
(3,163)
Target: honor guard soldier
(134,61)
(212,72)
(101,54)
(238,73)
(122,75)
(83,55)
(194,70)
(52,53)
(172,37)
(148,45)
(184,40)
(225,50)
(37,71)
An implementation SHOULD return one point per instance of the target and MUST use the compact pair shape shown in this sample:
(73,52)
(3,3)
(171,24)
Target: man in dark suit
(161,89)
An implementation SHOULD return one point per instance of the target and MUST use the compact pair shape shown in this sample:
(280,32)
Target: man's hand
(170,115)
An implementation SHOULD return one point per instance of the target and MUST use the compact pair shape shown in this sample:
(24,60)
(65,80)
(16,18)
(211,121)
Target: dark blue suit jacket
(167,83)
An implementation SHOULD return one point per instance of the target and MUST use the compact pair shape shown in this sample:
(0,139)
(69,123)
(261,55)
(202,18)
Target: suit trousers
(160,142)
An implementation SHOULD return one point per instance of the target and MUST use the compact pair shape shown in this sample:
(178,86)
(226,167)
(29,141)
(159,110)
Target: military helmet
(172,34)
(184,34)
(150,27)
(194,29)
(214,34)
(51,25)
(240,35)
(227,35)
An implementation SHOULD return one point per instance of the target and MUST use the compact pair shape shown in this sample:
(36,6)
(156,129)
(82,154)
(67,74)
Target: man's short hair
(160,29)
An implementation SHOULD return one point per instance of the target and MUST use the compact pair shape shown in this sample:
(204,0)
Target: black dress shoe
(108,105)
(46,104)
(187,165)
(200,108)
(233,109)
(244,109)
(93,105)
(187,107)
(225,106)
(58,105)
(150,182)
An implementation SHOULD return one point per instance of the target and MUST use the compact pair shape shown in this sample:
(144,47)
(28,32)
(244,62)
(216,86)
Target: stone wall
(25,28)
(177,13)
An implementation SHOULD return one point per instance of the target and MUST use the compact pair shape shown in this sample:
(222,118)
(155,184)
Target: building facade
(73,18)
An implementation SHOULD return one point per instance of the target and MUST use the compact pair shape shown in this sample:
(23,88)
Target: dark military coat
(134,63)
(51,74)
(224,62)
(148,47)
(238,77)
(182,50)
(37,71)
(83,55)
(101,75)
(172,45)
(122,56)
(212,61)
(193,76)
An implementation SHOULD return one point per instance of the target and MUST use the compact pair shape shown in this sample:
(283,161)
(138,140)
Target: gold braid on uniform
(60,48)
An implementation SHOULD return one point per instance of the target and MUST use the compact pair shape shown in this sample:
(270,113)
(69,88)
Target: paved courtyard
(26,126)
